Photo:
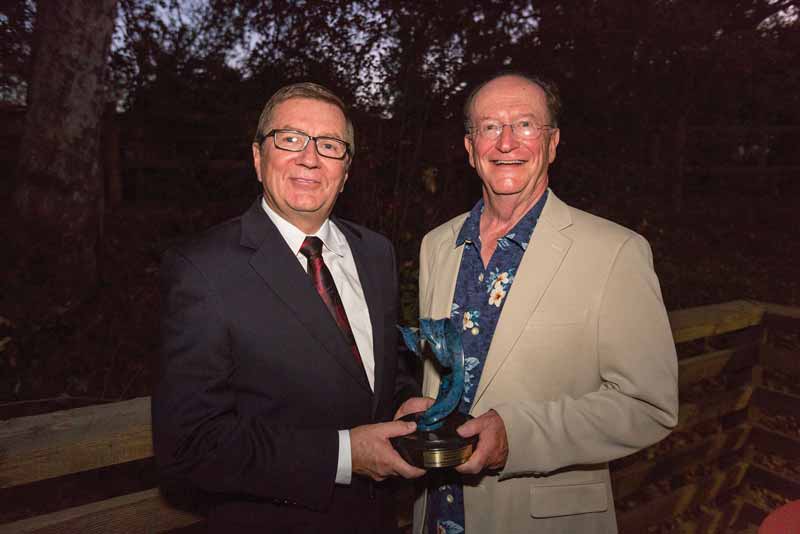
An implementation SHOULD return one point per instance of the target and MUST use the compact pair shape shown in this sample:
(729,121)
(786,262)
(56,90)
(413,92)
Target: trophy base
(442,447)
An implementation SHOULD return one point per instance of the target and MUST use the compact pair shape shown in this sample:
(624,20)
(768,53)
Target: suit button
(450,499)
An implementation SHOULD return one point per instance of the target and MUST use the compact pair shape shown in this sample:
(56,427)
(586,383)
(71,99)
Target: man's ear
(257,159)
(470,150)
(555,137)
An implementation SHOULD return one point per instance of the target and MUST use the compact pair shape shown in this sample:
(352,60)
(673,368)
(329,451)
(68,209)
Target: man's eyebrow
(517,117)
(333,135)
(322,134)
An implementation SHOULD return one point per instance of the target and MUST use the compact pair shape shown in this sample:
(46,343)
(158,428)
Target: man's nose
(309,156)
(507,140)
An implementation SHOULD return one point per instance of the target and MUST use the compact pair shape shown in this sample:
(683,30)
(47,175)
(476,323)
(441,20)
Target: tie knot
(311,247)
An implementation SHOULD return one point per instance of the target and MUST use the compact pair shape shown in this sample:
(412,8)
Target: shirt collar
(331,236)
(471,229)
(520,234)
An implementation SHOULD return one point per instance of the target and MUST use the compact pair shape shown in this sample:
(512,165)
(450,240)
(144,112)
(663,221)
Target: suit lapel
(281,271)
(374,297)
(544,255)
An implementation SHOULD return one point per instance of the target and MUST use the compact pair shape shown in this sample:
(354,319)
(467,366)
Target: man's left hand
(491,452)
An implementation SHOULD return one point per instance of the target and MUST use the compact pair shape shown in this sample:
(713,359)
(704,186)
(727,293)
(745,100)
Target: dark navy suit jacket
(256,379)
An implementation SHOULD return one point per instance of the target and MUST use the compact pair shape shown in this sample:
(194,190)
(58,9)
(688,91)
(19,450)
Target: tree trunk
(58,193)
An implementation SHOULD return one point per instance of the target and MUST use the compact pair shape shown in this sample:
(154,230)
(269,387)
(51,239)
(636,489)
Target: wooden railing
(736,375)
(707,475)
(62,443)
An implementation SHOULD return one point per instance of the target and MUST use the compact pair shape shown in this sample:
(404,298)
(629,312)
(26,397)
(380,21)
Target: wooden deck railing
(706,476)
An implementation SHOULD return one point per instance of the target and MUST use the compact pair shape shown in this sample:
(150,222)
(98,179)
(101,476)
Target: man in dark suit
(279,377)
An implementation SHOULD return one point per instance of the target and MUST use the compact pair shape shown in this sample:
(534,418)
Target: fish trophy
(436,443)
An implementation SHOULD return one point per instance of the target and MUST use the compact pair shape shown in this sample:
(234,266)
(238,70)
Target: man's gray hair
(310,90)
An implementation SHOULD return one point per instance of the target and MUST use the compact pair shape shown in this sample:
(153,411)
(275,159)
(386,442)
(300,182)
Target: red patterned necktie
(323,282)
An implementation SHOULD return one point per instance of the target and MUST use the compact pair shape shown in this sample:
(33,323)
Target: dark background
(681,120)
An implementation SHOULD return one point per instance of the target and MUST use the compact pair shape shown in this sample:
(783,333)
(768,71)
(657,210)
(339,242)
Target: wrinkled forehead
(309,115)
(510,96)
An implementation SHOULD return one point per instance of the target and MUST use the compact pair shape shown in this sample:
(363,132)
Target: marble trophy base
(436,448)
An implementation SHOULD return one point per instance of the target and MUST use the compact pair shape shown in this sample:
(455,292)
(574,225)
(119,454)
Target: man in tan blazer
(568,349)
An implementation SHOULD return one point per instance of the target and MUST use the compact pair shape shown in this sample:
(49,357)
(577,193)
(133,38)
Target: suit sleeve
(637,403)
(198,435)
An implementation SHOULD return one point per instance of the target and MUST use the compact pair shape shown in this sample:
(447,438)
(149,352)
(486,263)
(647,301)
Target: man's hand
(373,454)
(413,405)
(492,450)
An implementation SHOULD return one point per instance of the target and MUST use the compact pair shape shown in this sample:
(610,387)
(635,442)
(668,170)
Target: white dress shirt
(339,260)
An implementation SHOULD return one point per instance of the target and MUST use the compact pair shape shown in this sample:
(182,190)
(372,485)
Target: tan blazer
(582,369)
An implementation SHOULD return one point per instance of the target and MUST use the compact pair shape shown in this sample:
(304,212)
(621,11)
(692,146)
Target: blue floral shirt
(477,303)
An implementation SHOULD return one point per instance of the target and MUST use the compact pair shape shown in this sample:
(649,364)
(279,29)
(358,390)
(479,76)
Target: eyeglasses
(297,141)
(521,129)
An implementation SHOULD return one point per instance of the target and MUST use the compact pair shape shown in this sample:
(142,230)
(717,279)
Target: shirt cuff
(344,469)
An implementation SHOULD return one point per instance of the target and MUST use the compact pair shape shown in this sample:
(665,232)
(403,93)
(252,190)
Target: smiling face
(511,169)
(302,186)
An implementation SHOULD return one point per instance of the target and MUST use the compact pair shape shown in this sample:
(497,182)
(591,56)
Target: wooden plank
(772,442)
(706,522)
(783,360)
(780,309)
(145,512)
(69,441)
(761,476)
(749,514)
(712,520)
(681,500)
(730,513)
(772,402)
(713,364)
(714,406)
(631,478)
(703,321)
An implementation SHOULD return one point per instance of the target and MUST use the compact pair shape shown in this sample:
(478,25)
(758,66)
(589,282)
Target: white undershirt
(337,256)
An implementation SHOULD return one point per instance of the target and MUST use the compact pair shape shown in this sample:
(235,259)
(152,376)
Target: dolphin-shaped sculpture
(444,338)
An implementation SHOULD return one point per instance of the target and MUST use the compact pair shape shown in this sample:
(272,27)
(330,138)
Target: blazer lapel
(544,255)
(438,302)
(442,285)
(281,271)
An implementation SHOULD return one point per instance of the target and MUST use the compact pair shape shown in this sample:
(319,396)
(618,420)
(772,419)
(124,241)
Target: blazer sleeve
(637,402)
(198,435)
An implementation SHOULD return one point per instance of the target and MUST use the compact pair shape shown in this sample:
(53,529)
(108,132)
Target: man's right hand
(413,405)
(373,454)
